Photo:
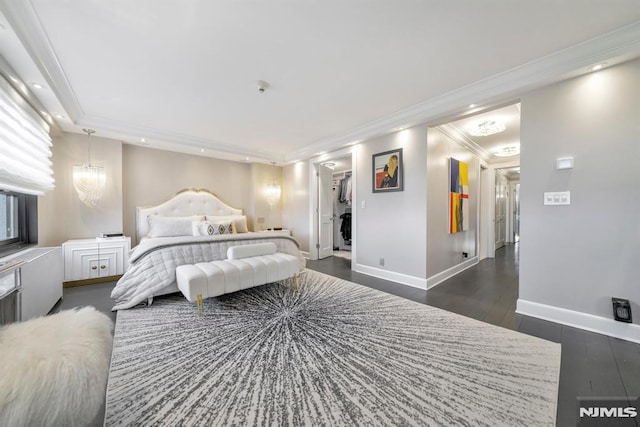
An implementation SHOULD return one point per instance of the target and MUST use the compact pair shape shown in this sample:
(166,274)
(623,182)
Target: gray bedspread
(153,263)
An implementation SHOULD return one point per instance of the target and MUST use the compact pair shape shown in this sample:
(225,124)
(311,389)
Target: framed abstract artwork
(458,196)
(388,171)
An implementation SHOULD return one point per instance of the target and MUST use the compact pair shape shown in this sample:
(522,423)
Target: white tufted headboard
(192,201)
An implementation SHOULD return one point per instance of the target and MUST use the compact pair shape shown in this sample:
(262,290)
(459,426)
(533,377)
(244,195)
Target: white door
(501,209)
(325,212)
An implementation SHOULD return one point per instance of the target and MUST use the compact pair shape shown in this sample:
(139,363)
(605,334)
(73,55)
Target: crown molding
(26,24)
(457,136)
(615,47)
(133,131)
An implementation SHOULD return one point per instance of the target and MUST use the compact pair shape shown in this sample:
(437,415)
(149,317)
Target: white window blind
(25,146)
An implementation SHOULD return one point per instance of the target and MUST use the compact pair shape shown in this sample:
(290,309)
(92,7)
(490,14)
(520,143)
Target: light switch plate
(557,198)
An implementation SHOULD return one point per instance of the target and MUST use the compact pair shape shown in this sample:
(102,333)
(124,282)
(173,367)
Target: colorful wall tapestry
(458,196)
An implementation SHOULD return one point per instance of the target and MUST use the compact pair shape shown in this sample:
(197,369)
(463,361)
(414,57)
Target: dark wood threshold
(74,283)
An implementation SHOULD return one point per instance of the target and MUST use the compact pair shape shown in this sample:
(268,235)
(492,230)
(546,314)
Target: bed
(192,226)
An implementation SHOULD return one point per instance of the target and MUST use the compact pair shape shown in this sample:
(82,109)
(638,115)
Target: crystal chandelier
(513,150)
(89,180)
(273,190)
(487,128)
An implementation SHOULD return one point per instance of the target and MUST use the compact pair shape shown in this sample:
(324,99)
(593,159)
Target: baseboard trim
(403,279)
(436,279)
(576,319)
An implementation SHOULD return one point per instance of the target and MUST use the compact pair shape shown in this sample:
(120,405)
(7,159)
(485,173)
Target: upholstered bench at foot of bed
(247,266)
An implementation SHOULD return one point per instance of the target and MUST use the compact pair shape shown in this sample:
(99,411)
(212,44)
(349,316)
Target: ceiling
(182,75)
(486,147)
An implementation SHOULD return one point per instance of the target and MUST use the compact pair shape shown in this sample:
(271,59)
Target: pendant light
(89,180)
(273,190)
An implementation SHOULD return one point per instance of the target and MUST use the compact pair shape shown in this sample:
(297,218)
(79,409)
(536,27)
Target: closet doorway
(337,232)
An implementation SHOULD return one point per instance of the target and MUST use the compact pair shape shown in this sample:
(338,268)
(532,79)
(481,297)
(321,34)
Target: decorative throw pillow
(239,221)
(164,226)
(214,228)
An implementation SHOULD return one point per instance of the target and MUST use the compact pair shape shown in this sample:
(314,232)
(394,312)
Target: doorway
(335,199)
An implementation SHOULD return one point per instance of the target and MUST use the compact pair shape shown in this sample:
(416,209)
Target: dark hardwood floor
(593,365)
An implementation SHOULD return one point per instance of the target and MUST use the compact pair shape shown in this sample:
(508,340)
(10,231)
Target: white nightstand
(95,260)
(283,232)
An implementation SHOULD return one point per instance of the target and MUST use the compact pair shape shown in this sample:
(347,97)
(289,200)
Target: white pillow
(207,228)
(167,226)
(239,222)
(247,251)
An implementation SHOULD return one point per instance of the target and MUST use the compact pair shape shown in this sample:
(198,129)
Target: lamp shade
(90,182)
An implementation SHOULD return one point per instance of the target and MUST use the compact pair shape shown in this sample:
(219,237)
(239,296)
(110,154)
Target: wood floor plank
(627,356)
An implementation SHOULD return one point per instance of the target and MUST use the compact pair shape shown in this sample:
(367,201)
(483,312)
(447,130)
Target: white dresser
(95,259)
(38,283)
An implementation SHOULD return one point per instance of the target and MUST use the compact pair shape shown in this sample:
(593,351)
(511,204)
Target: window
(8,218)
(18,221)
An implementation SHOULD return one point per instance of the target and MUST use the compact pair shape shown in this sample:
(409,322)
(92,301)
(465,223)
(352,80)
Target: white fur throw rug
(53,369)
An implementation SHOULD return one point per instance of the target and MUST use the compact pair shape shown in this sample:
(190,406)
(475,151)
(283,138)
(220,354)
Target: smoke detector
(262,85)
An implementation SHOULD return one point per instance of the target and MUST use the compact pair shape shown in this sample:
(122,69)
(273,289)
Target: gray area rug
(330,353)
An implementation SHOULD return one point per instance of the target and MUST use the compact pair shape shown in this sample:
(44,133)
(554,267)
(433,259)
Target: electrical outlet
(381,261)
(621,310)
(465,254)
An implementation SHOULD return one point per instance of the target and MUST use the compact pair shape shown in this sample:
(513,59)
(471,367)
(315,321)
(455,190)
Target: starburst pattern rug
(329,353)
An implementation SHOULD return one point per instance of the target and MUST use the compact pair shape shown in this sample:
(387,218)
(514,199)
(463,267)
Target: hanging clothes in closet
(344,196)
(345,228)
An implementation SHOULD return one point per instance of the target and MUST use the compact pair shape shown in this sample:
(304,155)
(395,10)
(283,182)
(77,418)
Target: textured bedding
(153,263)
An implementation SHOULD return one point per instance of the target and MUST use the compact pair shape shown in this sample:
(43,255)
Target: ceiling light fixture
(486,128)
(59,116)
(512,150)
(37,85)
(89,180)
(202,150)
(473,105)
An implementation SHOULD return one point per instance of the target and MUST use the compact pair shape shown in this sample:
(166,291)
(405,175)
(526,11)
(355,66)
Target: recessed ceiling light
(597,67)
(143,140)
(37,85)
(473,105)
(246,158)
(202,150)
(59,116)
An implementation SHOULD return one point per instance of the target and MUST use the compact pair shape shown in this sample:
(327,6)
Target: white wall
(61,214)
(444,250)
(261,214)
(577,257)
(295,202)
(393,225)
(139,176)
